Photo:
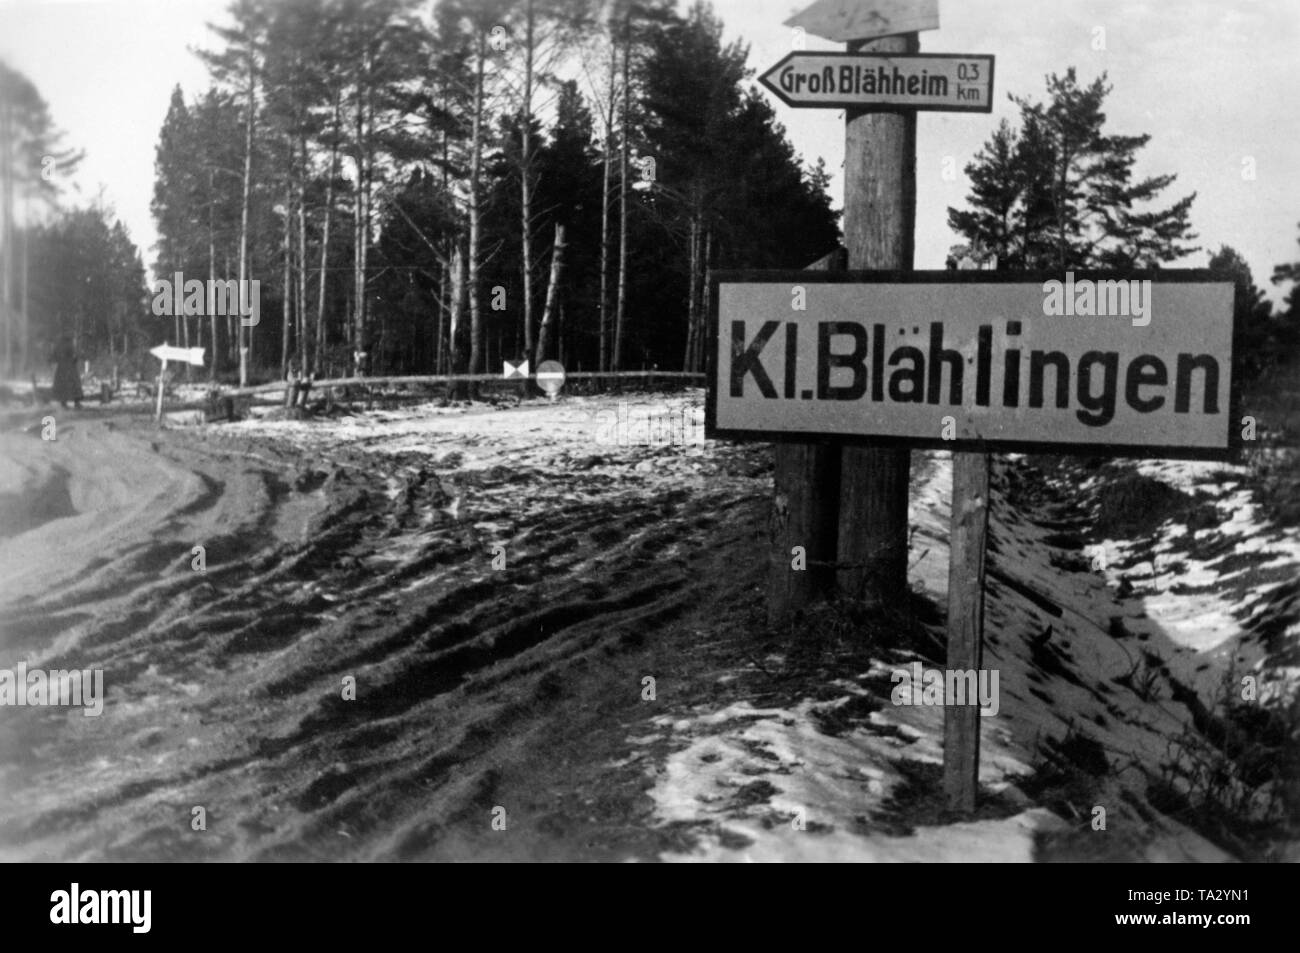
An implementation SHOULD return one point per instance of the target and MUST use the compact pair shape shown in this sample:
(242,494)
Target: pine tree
(1288,319)
(1256,341)
(32,163)
(1058,192)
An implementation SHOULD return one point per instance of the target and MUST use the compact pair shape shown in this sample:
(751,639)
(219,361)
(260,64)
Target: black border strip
(861,107)
(1232,453)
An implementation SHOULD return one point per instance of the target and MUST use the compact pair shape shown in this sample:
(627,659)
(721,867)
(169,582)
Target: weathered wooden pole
(879,232)
(961,723)
(162,382)
(805,511)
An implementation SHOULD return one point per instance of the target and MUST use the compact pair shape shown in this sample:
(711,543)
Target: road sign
(165,353)
(1136,363)
(848,20)
(511,371)
(189,355)
(952,82)
(550,377)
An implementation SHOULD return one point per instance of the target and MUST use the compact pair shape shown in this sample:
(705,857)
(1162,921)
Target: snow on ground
(1208,589)
(1058,667)
(574,493)
(823,783)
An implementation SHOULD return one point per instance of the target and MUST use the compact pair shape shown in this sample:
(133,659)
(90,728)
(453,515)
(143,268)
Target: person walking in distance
(67,382)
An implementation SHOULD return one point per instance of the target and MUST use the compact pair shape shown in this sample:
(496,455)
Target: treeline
(431,188)
(1056,190)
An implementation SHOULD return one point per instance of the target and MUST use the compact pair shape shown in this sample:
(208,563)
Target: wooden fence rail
(459,379)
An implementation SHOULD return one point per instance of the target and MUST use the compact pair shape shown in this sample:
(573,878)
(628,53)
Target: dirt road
(474,632)
(326,559)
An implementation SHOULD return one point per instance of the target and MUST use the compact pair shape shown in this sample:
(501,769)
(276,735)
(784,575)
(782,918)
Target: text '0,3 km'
(1138,363)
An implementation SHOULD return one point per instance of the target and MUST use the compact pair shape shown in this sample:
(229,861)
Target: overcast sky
(1214,83)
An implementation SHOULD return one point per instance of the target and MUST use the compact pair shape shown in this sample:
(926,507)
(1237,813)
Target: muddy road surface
(379,618)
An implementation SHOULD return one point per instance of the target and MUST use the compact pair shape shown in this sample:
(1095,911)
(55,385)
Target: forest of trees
(432,189)
(424,187)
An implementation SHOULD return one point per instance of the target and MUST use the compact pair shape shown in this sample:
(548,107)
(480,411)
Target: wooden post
(879,232)
(805,512)
(961,723)
(162,380)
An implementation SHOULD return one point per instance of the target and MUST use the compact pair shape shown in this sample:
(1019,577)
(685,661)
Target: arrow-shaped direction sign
(846,20)
(190,355)
(165,353)
(952,82)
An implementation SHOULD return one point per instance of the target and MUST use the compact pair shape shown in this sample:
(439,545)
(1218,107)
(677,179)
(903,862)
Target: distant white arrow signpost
(165,353)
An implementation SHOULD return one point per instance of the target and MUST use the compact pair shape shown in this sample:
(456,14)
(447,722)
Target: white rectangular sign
(190,355)
(1138,363)
(847,20)
(952,82)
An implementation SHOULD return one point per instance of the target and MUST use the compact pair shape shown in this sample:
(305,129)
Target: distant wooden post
(805,512)
(162,382)
(879,232)
(961,723)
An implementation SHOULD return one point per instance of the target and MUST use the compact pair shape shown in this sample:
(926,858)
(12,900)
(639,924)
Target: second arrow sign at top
(952,82)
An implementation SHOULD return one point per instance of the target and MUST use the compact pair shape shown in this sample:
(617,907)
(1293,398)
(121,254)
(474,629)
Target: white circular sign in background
(550,377)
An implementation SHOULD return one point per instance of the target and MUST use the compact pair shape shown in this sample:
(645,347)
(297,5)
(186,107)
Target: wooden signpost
(882,359)
(165,353)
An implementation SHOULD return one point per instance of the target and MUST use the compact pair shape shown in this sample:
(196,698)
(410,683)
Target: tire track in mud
(225,688)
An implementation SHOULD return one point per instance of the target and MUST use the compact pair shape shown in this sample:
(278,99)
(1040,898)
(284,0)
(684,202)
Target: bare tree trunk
(6,231)
(359,236)
(552,292)
(694,243)
(185,339)
(232,337)
(303,324)
(286,292)
(475,213)
(701,309)
(608,163)
(525,178)
(325,240)
(457,344)
(622,196)
(24,326)
(245,333)
(212,274)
